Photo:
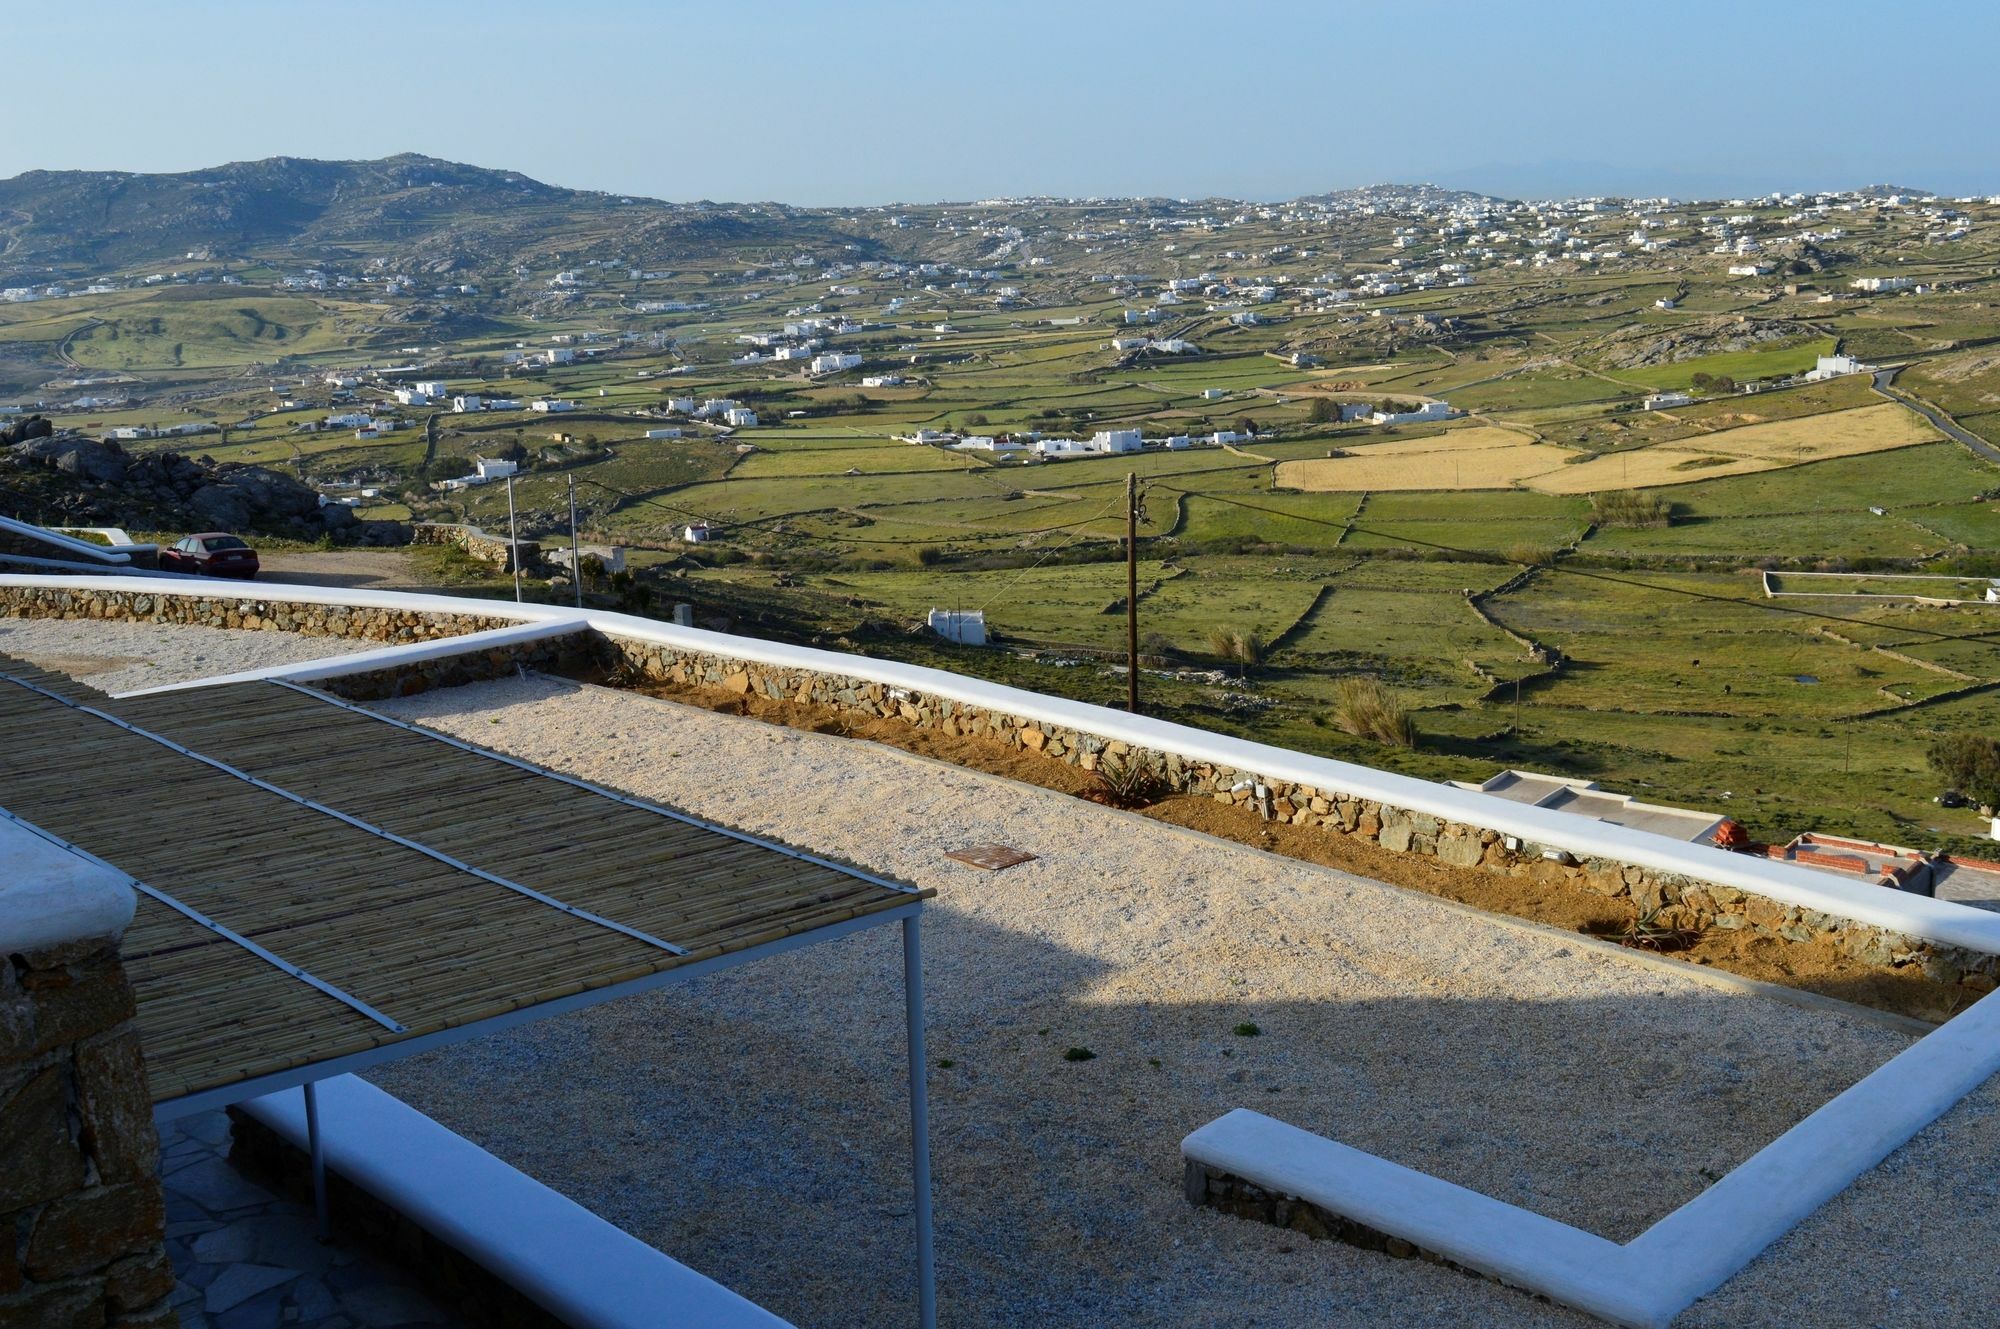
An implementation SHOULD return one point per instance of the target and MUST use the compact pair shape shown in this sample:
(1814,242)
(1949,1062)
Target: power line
(1008,585)
(836,539)
(1479,555)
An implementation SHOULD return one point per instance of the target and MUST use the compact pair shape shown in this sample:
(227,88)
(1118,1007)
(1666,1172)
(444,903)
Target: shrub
(1969,763)
(1243,649)
(1629,507)
(1366,709)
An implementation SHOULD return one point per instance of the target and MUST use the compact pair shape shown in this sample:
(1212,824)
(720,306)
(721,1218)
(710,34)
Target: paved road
(1884,384)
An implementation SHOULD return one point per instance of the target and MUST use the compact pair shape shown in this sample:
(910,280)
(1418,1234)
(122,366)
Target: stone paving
(247,1258)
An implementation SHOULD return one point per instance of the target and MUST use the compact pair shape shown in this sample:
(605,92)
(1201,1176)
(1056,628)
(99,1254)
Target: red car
(213,554)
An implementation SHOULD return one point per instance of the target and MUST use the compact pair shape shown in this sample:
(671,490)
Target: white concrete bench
(566,1259)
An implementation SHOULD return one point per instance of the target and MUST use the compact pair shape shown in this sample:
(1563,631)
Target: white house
(432,387)
(663,433)
(967,627)
(882,381)
(697,532)
(558,355)
(551,405)
(741,417)
(1214,394)
(412,397)
(1117,441)
(1128,343)
(1880,284)
(1748,270)
(493,469)
(467,403)
(1430,410)
(833,362)
(681,405)
(1661,401)
(1836,366)
(1663,304)
(342,381)
(502,404)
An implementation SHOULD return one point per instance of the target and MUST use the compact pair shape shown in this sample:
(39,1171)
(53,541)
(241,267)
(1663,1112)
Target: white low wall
(1940,922)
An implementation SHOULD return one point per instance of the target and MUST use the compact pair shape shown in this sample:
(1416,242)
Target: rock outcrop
(72,480)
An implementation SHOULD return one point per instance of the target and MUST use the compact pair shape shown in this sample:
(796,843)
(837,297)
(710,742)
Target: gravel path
(118,657)
(753,1123)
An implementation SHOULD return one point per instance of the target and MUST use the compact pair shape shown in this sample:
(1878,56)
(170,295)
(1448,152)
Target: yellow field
(1488,458)
(1764,447)
(1478,457)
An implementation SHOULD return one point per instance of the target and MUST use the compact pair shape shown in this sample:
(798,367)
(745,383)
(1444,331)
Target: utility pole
(1132,592)
(513,541)
(575,563)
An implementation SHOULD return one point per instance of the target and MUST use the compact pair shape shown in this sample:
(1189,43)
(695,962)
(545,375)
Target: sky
(883,101)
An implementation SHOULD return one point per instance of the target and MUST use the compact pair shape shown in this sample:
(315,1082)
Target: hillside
(444,216)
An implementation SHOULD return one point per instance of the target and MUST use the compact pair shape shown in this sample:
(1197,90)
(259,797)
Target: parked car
(212,554)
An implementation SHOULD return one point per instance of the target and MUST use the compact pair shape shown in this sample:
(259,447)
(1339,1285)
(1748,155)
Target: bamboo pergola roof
(318,881)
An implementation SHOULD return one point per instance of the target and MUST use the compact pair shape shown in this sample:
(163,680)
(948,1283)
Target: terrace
(1089,1009)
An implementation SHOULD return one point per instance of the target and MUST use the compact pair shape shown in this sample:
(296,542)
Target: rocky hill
(65,479)
(440,215)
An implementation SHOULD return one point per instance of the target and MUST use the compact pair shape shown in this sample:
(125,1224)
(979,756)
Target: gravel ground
(753,1123)
(119,657)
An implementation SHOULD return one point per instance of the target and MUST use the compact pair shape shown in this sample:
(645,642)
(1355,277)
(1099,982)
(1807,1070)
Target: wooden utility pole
(1132,592)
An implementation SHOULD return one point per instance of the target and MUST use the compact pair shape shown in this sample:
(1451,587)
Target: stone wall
(572,650)
(191,607)
(494,549)
(81,1213)
(1672,900)
(1207,1187)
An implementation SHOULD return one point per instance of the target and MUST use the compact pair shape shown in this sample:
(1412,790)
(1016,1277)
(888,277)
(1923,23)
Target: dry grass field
(1477,457)
(1482,457)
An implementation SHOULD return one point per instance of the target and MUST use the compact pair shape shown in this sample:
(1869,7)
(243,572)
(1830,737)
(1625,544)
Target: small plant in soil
(1651,932)
(1129,784)
(1246,1030)
(1079,1054)
(946,1063)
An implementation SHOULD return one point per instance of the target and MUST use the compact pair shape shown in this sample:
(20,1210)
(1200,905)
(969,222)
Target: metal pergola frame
(909,915)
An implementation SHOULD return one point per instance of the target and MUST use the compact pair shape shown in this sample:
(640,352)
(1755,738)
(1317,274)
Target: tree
(1969,763)
(1324,411)
(1247,427)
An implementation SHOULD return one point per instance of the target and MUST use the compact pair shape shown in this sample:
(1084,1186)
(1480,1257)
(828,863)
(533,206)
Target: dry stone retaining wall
(1679,900)
(492,549)
(193,608)
(81,1213)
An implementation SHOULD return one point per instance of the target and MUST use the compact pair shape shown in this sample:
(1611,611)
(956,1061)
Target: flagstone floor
(247,1258)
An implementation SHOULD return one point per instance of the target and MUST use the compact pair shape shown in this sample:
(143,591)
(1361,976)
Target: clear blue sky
(868,101)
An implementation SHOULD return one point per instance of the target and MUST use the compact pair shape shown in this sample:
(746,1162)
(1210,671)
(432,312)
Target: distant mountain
(445,216)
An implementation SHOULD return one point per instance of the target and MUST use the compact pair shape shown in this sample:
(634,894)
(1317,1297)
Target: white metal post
(318,1151)
(920,1125)
(513,541)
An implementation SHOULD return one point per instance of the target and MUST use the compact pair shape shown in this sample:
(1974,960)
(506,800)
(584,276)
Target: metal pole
(316,1147)
(513,541)
(575,563)
(1132,592)
(920,1125)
